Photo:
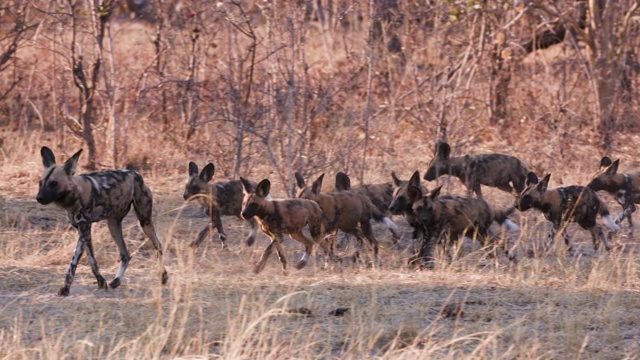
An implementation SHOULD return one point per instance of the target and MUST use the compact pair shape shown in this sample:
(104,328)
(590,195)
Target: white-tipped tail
(511,226)
(390,224)
(610,223)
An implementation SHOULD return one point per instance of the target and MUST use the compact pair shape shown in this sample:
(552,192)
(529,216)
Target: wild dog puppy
(379,194)
(92,197)
(495,170)
(344,210)
(577,204)
(625,188)
(278,217)
(453,216)
(220,198)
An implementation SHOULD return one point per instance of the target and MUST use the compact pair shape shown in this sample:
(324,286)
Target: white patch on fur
(390,224)
(610,223)
(511,226)
(269,198)
(94,183)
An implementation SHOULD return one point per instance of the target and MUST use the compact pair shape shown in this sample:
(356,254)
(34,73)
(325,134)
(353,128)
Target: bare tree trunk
(368,101)
(87,87)
(500,78)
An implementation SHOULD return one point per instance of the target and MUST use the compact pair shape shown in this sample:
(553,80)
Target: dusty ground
(544,306)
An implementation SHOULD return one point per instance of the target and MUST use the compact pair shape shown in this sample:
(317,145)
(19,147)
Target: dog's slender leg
(202,235)
(84,230)
(217,222)
(281,256)
(265,255)
(102,284)
(143,206)
(115,227)
(367,230)
(254,229)
(308,246)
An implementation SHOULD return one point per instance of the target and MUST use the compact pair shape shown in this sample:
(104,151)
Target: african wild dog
(496,170)
(453,216)
(220,198)
(625,188)
(402,205)
(379,194)
(279,217)
(92,197)
(575,203)
(344,210)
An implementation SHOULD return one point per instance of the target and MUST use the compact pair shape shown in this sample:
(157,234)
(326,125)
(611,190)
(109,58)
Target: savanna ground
(584,305)
(313,97)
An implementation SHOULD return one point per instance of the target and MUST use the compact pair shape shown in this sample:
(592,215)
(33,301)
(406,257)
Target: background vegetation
(266,88)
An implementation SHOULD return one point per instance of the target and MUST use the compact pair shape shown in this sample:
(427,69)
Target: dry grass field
(584,305)
(309,97)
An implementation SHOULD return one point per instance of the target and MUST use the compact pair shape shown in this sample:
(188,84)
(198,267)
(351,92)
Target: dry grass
(543,306)
(551,306)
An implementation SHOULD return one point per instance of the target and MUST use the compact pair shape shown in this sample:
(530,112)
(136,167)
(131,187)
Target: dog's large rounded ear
(263,188)
(613,168)
(532,178)
(435,193)
(605,161)
(71,165)
(316,187)
(247,187)
(193,169)
(544,184)
(342,181)
(443,150)
(300,180)
(415,179)
(207,172)
(414,193)
(48,159)
(397,182)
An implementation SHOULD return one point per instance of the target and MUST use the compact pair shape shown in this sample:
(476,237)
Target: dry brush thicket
(265,89)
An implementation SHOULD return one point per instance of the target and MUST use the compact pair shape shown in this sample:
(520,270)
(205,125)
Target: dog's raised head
(533,192)
(439,165)
(254,197)
(56,182)
(400,201)
(306,192)
(198,183)
(604,178)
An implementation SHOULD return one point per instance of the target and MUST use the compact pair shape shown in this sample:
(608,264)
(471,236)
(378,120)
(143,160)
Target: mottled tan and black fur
(344,210)
(219,198)
(575,203)
(379,194)
(504,172)
(92,197)
(452,217)
(625,187)
(401,204)
(279,217)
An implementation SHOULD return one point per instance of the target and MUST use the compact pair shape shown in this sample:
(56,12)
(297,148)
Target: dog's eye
(53,183)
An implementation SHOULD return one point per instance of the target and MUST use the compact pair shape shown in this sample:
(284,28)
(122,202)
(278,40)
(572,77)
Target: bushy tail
(606,216)
(380,218)
(501,217)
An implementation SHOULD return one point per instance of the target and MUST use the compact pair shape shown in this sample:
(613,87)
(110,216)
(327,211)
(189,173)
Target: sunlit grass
(542,306)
